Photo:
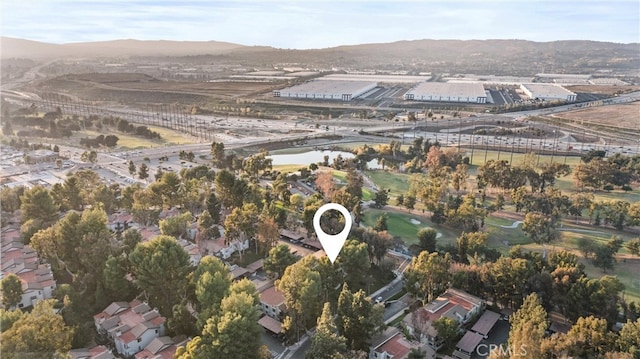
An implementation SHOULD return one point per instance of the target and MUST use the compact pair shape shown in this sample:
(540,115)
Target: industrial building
(447,92)
(548,92)
(327,90)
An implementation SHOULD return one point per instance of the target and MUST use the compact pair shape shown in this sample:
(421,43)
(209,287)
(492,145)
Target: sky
(320,24)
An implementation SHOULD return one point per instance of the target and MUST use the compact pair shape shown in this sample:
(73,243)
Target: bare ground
(623,115)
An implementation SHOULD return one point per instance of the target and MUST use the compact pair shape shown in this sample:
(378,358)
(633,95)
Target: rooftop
(448,89)
(270,324)
(486,322)
(272,297)
(329,87)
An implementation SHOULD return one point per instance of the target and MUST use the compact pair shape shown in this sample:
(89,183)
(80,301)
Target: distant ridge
(13,47)
(515,57)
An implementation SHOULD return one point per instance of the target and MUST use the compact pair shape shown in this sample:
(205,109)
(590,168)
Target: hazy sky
(319,24)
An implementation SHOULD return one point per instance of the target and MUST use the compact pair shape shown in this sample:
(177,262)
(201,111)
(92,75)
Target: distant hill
(12,47)
(516,57)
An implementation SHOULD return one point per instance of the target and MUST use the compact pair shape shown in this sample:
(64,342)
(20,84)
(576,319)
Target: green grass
(400,225)
(626,268)
(398,183)
(478,158)
(129,142)
(287,168)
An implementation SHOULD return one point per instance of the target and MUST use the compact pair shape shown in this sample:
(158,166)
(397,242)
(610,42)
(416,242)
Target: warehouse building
(327,90)
(547,92)
(447,92)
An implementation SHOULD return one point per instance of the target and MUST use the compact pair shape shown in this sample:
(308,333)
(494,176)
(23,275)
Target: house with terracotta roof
(454,303)
(130,326)
(22,260)
(97,352)
(195,256)
(272,302)
(161,348)
(391,344)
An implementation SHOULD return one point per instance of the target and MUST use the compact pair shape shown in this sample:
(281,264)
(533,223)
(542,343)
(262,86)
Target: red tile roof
(272,297)
(397,346)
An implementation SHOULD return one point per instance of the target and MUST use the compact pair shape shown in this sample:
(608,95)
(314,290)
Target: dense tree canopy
(160,267)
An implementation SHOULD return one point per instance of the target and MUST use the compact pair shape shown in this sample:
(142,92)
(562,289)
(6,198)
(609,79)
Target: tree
(40,333)
(447,329)
(280,257)
(326,341)
(427,239)
(10,198)
(11,286)
(236,329)
(528,326)
(627,341)
(143,171)
(89,156)
(214,207)
(540,228)
(510,276)
(161,267)
(267,234)
(302,290)
(176,226)
(409,202)
(38,211)
(212,282)
(381,223)
(354,261)
(428,275)
(357,318)
(240,224)
(604,255)
(471,244)
(588,338)
(8,317)
(116,284)
(633,246)
(217,154)
(381,198)
(206,227)
(232,333)
(132,168)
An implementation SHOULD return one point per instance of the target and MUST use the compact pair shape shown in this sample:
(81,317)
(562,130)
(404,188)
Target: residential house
(160,348)
(392,344)
(272,302)
(130,326)
(22,260)
(454,303)
(194,252)
(223,250)
(97,352)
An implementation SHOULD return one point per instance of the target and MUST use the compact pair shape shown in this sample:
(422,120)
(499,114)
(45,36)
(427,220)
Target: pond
(306,158)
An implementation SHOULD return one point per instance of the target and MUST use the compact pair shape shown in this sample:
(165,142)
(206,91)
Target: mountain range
(508,56)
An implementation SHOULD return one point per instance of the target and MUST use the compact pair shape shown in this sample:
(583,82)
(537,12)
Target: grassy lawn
(287,168)
(398,183)
(400,225)
(129,142)
(478,158)
(626,268)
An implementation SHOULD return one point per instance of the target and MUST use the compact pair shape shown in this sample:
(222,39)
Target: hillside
(513,57)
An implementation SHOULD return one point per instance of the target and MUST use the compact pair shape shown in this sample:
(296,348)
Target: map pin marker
(332,244)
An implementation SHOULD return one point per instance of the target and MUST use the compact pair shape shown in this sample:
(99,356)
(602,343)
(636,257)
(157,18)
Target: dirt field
(623,116)
(602,89)
(131,88)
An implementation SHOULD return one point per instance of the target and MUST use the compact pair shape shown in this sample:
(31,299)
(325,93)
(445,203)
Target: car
(379,300)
